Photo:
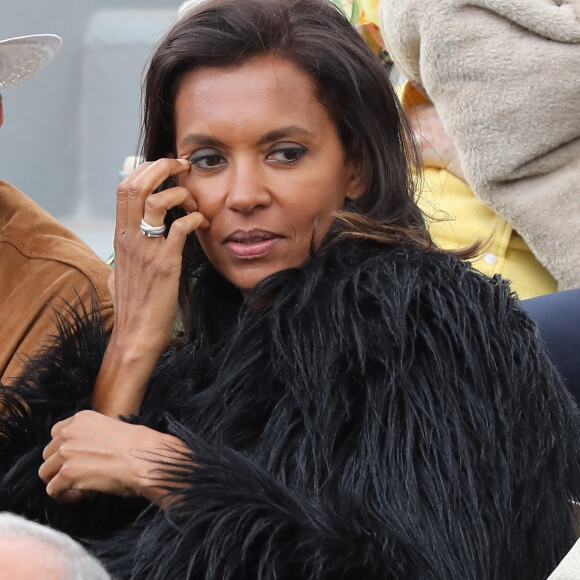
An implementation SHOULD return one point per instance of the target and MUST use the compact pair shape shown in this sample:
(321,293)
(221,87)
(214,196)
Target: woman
(346,401)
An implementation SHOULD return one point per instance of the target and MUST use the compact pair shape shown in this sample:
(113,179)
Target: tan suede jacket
(42,266)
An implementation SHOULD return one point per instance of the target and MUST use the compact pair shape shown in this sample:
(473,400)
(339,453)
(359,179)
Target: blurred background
(68,128)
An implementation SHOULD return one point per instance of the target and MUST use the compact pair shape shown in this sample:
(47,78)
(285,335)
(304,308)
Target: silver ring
(151,231)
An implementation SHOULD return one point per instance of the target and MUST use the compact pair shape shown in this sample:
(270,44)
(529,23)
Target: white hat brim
(21,57)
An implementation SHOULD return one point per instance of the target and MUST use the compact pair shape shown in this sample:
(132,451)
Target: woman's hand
(147,270)
(146,283)
(92,453)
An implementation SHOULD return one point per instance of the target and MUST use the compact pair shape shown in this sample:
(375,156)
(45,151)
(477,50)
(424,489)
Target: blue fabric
(558,317)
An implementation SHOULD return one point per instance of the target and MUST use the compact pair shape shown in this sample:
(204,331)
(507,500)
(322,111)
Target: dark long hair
(353,85)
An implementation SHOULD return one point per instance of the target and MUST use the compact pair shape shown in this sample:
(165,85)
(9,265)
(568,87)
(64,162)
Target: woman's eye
(207,159)
(287,154)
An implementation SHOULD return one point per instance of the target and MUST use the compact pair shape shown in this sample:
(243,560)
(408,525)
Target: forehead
(264,89)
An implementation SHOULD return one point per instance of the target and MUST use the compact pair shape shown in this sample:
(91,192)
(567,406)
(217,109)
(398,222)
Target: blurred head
(348,82)
(29,551)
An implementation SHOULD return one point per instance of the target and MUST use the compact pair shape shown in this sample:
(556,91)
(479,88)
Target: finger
(69,496)
(60,482)
(51,448)
(62,492)
(156,206)
(50,468)
(74,495)
(58,427)
(147,182)
(123,195)
(183,227)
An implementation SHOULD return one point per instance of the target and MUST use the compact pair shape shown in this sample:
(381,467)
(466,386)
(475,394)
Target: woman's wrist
(156,451)
(122,380)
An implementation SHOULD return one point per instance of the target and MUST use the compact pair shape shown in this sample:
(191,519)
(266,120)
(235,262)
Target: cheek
(332,195)
(203,237)
(205,194)
(210,246)
(209,236)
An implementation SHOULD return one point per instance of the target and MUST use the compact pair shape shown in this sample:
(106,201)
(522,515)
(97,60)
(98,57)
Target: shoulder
(354,284)
(43,266)
(400,270)
(31,236)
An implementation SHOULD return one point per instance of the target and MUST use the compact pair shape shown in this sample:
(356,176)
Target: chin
(245,285)
(248,280)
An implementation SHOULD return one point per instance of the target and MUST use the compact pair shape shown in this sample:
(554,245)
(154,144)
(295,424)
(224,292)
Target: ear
(357,185)
(1,112)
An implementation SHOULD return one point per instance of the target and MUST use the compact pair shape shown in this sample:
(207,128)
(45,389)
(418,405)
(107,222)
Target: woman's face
(267,165)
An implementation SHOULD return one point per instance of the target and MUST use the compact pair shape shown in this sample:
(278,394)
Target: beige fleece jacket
(505,78)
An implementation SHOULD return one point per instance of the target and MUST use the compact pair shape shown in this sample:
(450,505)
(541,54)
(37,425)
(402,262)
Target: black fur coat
(385,413)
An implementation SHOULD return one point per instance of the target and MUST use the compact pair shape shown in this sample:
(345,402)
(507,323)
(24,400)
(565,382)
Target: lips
(253,244)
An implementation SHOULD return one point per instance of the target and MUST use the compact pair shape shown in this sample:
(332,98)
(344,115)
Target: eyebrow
(274,135)
(200,139)
(291,131)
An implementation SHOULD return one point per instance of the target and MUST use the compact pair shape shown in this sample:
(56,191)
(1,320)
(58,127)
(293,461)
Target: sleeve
(43,266)
(231,519)
(505,79)
(57,383)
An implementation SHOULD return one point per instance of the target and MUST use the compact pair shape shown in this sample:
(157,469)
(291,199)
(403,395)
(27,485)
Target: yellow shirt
(457,218)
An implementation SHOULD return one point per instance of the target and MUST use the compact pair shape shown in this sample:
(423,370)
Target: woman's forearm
(123,379)
(144,284)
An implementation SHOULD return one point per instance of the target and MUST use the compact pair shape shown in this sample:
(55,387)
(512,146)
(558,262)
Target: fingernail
(184,161)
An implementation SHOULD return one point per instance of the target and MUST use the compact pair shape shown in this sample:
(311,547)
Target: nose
(247,189)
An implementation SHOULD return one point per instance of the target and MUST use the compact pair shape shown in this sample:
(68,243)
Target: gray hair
(77,563)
